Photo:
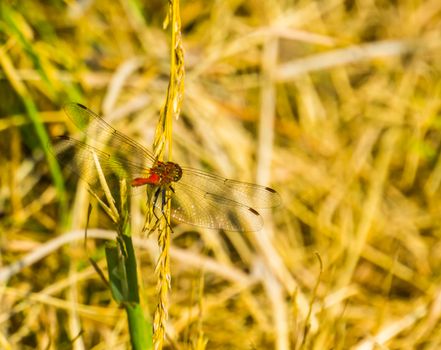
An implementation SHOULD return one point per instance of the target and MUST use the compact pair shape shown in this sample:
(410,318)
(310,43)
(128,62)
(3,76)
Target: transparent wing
(194,206)
(98,129)
(247,194)
(200,198)
(80,157)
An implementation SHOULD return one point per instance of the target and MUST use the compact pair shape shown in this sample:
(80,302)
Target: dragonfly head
(174,170)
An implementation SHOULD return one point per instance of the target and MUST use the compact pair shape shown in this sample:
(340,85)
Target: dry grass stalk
(162,143)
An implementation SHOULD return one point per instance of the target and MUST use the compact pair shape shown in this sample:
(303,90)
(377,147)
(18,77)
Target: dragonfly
(196,197)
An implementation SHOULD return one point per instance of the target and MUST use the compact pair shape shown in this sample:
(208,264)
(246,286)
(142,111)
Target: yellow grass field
(334,104)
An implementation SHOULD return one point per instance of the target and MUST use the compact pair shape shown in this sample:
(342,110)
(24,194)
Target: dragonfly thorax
(161,174)
(164,173)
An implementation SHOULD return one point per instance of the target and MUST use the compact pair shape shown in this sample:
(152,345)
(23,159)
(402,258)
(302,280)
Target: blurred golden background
(335,104)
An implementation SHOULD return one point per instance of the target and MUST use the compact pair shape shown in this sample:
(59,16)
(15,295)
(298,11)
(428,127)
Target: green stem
(140,329)
(123,278)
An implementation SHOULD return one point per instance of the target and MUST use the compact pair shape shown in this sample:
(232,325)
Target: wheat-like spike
(162,142)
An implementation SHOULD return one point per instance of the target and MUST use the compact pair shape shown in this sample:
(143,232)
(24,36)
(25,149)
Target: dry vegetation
(334,104)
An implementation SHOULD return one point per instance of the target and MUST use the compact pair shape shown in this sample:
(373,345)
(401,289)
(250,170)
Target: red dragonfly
(197,197)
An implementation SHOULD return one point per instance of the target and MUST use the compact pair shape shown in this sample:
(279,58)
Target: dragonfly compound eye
(178,173)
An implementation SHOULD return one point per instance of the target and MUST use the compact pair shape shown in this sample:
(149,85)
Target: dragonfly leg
(164,201)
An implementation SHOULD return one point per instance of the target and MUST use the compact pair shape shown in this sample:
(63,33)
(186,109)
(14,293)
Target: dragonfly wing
(98,129)
(248,194)
(81,158)
(194,206)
